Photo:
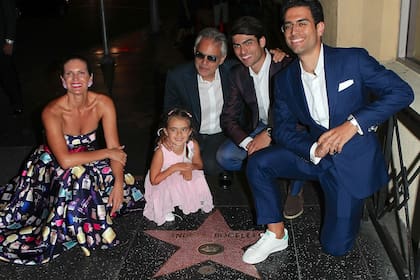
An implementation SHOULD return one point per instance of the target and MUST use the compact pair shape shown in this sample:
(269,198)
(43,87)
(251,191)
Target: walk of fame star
(214,231)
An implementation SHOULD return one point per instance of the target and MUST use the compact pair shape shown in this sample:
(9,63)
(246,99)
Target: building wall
(416,53)
(372,24)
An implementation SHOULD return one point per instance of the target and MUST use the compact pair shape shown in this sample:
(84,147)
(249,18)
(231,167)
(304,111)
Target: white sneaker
(267,244)
(170,217)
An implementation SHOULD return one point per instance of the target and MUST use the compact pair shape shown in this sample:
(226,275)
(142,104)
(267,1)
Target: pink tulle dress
(189,196)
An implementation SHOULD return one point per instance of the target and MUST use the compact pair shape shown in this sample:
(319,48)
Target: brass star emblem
(214,240)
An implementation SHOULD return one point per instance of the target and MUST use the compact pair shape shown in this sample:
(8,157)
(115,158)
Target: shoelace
(263,236)
(176,215)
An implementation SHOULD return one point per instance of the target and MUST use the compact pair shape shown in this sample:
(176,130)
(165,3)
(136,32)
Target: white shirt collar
(319,65)
(265,67)
(216,77)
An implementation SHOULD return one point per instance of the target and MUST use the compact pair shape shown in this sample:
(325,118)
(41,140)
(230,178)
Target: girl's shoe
(170,217)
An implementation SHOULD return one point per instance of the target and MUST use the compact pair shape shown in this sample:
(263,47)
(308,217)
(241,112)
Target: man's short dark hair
(313,5)
(249,26)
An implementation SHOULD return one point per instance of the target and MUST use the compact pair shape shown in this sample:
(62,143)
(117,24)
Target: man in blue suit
(328,91)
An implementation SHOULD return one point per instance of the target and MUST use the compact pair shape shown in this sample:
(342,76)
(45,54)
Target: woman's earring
(90,83)
(64,85)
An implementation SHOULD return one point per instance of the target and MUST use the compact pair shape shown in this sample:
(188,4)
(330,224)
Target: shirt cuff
(354,122)
(245,143)
(315,160)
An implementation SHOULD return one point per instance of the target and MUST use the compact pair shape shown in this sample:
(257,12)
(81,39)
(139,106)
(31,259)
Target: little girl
(176,177)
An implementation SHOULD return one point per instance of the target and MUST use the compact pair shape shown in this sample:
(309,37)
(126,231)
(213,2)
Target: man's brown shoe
(293,207)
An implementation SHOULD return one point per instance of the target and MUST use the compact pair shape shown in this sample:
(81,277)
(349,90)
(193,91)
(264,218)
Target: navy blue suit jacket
(352,77)
(181,89)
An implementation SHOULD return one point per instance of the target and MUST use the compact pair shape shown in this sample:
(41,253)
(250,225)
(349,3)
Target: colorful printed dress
(189,196)
(47,209)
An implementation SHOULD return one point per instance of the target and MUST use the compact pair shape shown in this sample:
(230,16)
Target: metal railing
(397,237)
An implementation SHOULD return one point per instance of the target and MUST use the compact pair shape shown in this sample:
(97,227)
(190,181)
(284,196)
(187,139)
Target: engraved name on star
(214,230)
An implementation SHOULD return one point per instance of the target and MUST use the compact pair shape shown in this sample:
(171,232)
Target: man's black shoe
(225,180)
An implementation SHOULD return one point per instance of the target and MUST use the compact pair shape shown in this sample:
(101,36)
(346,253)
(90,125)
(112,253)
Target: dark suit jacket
(240,114)
(181,89)
(351,77)
(7,20)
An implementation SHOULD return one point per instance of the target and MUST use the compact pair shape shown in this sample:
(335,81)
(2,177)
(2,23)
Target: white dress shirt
(262,91)
(316,92)
(315,89)
(211,102)
(261,85)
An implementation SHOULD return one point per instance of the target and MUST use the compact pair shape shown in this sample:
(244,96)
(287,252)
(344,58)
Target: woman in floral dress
(68,189)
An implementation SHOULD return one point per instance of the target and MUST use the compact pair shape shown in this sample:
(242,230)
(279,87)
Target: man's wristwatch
(268,130)
(9,41)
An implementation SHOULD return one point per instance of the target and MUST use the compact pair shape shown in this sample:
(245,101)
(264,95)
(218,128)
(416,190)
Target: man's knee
(221,156)
(256,165)
(230,159)
(259,160)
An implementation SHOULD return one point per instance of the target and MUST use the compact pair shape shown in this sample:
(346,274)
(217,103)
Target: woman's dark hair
(313,5)
(78,57)
(249,26)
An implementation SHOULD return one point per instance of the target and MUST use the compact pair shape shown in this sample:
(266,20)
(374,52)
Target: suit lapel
(331,78)
(224,80)
(272,71)
(298,91)
(299,95)
(191,87)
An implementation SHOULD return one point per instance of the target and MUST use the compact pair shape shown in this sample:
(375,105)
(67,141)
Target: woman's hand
(116,198)
(118,154)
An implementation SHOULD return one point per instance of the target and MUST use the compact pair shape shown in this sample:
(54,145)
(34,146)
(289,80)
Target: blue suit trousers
(342,214)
